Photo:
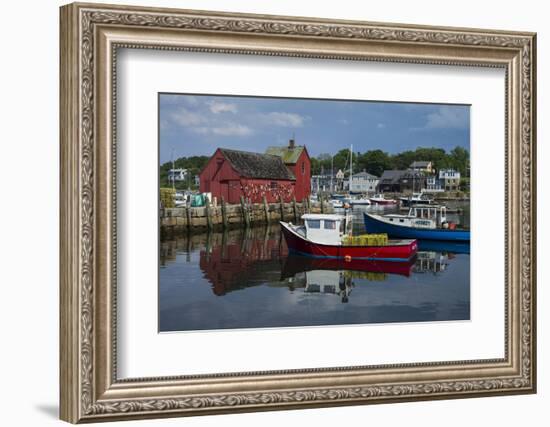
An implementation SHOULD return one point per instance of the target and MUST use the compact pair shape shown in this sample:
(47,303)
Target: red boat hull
(383,202)
(399,251)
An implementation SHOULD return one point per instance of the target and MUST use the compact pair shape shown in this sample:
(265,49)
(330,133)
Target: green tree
(193,164)
(341,160)
(374,162)
(403,160)
(460,160)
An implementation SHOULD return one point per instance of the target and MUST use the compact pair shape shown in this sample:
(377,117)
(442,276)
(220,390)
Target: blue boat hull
(444,246)
(374,225)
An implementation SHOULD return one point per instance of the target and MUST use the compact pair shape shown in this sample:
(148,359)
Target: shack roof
(391,176)
(290,155)
(365,175)
(256,165)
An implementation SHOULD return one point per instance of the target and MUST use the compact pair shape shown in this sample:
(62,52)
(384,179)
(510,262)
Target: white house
(363,182)
(177,175)
(434,184)
(450,179)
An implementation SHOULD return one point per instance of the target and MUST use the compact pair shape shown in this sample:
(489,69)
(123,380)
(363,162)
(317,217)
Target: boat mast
(350,166)
(173,171)
(331,172)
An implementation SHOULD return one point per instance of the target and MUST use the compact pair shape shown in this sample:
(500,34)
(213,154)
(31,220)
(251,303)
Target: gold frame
(90,36)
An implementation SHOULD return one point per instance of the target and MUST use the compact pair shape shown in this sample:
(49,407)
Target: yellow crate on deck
(366,240)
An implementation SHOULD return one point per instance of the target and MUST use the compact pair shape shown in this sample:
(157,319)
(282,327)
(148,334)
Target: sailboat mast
(173,171)
(350,166)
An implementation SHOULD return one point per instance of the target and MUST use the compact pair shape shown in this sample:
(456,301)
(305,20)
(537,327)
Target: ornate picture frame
(90,37)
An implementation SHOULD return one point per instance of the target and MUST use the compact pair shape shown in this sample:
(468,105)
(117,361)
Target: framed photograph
(267,212)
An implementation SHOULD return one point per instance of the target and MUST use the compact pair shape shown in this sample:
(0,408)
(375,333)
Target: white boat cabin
(327,229)
(419,216)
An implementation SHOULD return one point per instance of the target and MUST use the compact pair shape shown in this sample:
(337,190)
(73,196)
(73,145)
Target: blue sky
(198,124)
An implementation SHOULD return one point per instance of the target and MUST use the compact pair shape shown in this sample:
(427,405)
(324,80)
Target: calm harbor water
(247,279)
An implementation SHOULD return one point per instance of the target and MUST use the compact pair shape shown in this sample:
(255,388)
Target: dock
(224,216)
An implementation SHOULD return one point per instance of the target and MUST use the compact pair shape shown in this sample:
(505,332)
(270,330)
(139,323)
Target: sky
(199,124)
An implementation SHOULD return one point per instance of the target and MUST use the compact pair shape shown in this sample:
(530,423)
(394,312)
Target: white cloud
(344,122)
(201,130)
(232,129)
(380,125)
(226,129)
(221,107)
(178,99)
(185,117)
(448,118)
(282,119)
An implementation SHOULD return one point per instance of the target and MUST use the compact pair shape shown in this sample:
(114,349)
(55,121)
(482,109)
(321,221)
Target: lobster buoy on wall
(347,258)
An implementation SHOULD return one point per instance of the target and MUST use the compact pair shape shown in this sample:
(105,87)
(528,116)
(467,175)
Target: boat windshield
(313,223)
(437,213)
(330,224)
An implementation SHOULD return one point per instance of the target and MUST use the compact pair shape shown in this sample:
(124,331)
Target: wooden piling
(250,213)
(224,214)
(188,215)
(295,209)
(208,213)
(246,218)
(322,204)
(282,206)
(266,210)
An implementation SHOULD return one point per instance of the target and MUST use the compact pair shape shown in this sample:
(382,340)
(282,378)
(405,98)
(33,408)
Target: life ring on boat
(347,258)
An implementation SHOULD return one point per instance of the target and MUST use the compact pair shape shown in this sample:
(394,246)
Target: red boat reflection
(295,264)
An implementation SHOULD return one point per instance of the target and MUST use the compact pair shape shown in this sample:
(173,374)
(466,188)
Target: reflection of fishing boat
(295,264)
(379,199)
(325,236)
(422,222)
(322,282)
(431,262)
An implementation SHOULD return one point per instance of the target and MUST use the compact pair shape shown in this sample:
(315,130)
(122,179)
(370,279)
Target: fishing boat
(336,203)
(379,199)
(329,236)
(359,201)
(415,199)
(422,222)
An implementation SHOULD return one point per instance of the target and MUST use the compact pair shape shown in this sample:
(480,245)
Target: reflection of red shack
(232,266)
(231,174)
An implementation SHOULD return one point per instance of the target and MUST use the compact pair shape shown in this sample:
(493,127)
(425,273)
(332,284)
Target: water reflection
(247,279)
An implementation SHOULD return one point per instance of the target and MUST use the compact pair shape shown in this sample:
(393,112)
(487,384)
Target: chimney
(291,143)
